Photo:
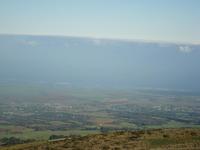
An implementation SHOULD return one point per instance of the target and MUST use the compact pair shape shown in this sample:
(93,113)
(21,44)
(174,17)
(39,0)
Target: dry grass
(171,139)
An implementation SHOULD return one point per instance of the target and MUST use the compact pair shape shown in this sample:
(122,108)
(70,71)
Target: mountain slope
(174,139)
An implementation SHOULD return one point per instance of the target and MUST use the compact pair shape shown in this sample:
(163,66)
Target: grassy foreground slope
(187,139)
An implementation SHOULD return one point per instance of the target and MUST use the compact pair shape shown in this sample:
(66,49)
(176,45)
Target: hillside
(151,139)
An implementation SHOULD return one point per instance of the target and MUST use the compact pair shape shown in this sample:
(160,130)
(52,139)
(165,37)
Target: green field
(39,111)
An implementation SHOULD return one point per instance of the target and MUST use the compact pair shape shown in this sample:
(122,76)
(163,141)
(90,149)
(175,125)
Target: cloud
(103,42)
(29,43)
(32,43)
(185,49)
(97,42)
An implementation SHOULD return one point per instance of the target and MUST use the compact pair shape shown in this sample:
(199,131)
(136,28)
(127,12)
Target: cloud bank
(185,49)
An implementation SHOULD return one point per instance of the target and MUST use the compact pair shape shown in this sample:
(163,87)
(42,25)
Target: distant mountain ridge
(97,62)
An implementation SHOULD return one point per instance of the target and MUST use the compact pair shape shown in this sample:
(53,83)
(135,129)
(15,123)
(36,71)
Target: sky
(155,20)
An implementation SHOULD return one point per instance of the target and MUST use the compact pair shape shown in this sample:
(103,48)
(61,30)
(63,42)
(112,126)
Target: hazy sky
(164,20)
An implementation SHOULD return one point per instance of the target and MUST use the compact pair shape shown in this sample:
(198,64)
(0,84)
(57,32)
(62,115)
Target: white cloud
(97,42)
(29,43)
(32,43)
(185,49)
(103,42)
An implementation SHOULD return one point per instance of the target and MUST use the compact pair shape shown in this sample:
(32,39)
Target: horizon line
(105,38)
